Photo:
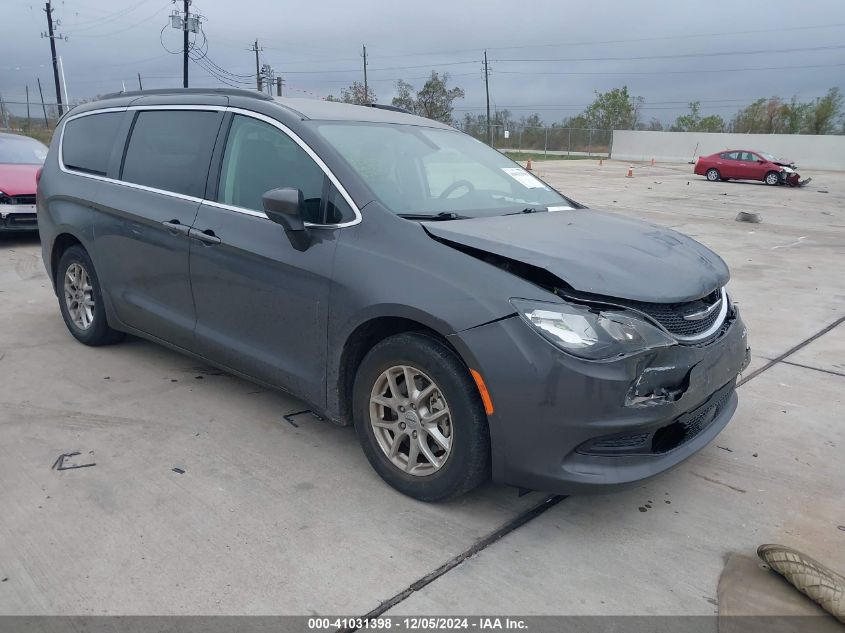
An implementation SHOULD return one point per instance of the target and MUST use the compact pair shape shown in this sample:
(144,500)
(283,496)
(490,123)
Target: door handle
(206,237)
(176,227)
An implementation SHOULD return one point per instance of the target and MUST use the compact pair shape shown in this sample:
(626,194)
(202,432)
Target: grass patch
(42,134)
(538,156)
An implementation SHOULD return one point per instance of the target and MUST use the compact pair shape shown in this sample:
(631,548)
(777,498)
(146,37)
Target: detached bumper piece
(659,440)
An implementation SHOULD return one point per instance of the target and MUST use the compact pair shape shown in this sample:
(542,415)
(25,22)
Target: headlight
(591,333)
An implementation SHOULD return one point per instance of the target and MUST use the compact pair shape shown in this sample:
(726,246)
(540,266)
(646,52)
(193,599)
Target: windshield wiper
(528,210)
(443,215)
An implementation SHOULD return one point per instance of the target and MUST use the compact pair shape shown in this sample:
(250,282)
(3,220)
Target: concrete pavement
(271,518)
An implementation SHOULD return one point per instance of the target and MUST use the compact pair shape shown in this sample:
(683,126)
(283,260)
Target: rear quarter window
(88,141)
(171,150)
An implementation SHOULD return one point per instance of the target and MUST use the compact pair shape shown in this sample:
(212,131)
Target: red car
(741,164)
(20,159)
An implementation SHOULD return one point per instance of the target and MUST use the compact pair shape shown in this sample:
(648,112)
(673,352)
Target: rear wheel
(419,418)
(712,174)
(772,178)
(81,299)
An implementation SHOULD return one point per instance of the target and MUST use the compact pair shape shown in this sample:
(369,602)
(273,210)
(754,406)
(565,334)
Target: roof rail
(235,92)
(392,108)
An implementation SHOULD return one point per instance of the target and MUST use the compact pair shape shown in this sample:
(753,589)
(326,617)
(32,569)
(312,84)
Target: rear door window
(88,141)
(171,150)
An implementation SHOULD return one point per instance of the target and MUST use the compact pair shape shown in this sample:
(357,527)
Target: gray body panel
(144,266)
(256,306)
(261,306)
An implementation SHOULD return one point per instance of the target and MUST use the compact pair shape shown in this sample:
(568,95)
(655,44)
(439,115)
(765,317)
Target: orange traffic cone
(528,166)
(630,171)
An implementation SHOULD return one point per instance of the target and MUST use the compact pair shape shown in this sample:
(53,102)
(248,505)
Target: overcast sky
(543,53)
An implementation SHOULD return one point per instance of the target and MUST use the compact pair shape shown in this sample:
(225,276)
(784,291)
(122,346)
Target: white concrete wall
(808,152)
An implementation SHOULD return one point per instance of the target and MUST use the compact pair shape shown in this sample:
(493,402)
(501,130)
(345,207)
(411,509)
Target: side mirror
(287,207)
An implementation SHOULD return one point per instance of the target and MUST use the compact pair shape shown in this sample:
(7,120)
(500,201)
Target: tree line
(617,109)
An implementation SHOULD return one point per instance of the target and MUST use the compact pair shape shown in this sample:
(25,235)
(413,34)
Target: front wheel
(81,299)
(419,418)
(712,174)
(772,178)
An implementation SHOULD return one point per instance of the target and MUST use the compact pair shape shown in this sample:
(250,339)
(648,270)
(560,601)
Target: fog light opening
(668,437)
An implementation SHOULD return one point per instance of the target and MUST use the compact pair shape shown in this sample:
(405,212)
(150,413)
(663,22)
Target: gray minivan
(398,275)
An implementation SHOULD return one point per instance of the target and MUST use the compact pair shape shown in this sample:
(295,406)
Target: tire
(772,178)
(456,469)
(77,280)
(712,174)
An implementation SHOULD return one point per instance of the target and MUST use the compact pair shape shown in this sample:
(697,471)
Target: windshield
(770,157)
(426,171)
(21,150)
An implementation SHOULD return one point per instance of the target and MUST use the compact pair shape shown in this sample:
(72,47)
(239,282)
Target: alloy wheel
(772,178)
(411,420)
(712,175)
(79,296)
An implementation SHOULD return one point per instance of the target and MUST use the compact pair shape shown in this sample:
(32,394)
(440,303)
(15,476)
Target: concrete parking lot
(275,518)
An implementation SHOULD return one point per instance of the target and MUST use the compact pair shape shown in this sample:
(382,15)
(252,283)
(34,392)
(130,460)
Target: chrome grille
(672,315)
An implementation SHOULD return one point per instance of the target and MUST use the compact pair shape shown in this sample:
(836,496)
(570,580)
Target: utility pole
(187,4)
(52,36)
(279,83)
(140,85)
(257,67)
(487,89)
(188,24)
(27,108)
(4,115)
(366,89)
(43,107)
(267,78)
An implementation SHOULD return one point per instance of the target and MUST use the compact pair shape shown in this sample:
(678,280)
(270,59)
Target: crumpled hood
(18,180)
(597,252)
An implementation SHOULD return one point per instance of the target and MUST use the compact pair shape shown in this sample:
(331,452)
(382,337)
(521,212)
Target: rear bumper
(566,425)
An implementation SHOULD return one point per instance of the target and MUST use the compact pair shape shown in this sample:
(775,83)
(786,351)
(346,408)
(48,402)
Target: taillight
(38,174)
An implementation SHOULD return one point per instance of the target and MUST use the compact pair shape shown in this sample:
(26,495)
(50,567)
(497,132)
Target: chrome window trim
(314,156)
(213,203)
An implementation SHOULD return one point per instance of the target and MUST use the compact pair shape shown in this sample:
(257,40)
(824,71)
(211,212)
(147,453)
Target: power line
(127,28)
(356,70)
(116,16)
(678,55)
(624,41)
(667,72)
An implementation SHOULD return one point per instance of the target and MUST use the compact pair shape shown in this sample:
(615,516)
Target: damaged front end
(791,178)
(626,368)
(616,390)
(569,424)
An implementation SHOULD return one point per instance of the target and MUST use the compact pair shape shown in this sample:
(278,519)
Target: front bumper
(567,425)
(15,219)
